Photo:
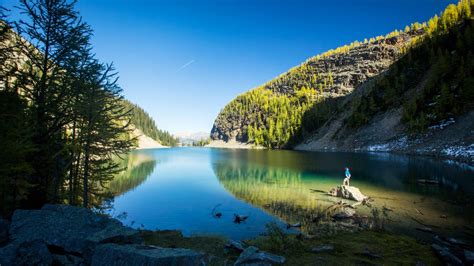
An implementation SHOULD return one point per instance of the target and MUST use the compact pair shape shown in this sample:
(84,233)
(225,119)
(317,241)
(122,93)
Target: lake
(184,189)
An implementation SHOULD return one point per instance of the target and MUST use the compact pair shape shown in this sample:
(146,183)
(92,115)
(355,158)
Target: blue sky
(182,61)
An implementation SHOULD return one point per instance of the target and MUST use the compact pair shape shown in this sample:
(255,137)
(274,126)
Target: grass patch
(348,247)
(211,245)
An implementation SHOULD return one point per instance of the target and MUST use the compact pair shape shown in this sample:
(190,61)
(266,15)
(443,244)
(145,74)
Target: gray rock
(344,213)
(4,227)
(469,256)
(253,256)
(74,229)
(323,248)
(236,245)
(67,260)
(8,253)
(33,253)
(446,256)
(113,254)
(348,192)
(457,242)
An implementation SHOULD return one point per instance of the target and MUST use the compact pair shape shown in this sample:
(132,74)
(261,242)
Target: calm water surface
(179,188)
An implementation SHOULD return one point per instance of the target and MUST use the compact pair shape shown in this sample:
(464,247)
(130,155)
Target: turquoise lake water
(181,188)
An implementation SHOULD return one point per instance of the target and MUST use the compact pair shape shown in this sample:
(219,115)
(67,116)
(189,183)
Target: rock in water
(348,192)
(113,254)
(253,256)
(74,229)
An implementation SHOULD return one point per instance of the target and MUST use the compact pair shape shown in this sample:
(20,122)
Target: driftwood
(418,211)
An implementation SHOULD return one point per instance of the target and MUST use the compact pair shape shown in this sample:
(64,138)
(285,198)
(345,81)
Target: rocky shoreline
(67,235)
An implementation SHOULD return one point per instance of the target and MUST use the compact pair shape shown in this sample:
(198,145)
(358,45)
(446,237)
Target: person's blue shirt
(348,174)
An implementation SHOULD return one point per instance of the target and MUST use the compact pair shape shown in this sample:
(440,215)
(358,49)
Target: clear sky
(182,61)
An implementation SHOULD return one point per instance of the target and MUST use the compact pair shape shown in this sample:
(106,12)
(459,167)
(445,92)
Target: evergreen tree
(52,34)
(64,106)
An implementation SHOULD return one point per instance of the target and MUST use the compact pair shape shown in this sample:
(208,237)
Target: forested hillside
(142,120)
(361,81)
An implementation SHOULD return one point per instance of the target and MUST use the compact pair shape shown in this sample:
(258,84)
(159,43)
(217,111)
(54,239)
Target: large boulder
(71,229)
(348,192)
(252,256)
(33,252)
(113,254)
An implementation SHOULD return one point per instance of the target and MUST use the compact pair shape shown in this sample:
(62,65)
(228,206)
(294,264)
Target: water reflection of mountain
(137,168)
(398,172)
(287,192)
(276,190)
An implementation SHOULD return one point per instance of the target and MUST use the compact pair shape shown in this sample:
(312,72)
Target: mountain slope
(394,87)
(142,121)
(423,104)
(271,115)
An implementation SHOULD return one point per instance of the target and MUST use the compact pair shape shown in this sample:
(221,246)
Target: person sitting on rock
(347,179)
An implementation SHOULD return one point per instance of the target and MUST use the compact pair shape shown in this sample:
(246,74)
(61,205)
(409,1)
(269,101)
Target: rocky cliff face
(333,74)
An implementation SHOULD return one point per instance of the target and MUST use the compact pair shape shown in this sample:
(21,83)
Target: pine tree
(106,122)
(449,17)
(53,33)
